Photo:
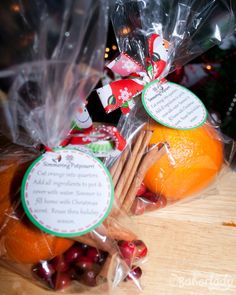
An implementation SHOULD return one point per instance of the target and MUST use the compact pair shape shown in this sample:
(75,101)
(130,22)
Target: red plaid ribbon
(121,93)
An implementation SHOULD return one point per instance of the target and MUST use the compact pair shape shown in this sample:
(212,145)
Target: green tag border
(48,231)
(159,121)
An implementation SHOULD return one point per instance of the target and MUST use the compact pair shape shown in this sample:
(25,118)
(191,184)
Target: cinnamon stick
(154,155)
(116,170)
(134,167)
(120,165)
(130,162)
(104,236)
(117,232)
(115,166)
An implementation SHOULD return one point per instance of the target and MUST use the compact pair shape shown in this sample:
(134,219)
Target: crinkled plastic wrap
(190,26)
(57,64)
(58,61)
(162,165)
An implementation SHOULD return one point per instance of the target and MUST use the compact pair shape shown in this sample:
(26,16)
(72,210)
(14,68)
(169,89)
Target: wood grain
(192,248)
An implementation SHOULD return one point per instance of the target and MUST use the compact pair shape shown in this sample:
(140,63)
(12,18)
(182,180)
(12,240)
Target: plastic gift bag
(175,150)
(57,223)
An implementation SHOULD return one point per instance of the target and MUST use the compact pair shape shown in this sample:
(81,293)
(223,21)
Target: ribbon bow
(84,133)
(96,134)
(121,93)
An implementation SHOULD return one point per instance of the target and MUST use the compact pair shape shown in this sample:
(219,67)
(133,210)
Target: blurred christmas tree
(218,91)
(212,77)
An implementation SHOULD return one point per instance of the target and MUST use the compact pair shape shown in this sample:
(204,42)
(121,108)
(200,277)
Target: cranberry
(162,202)
(77,272)
(127,250)
(89,278)
(93,254)
(84,247)
(141,190)
(59,263)
(73,253)
(138,207)
(61,280)
(102,258)
(73,274)
(135,273)
(141,249)
(84,263)
(43,271)
(151,197)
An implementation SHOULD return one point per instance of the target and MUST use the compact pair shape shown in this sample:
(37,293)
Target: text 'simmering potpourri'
(67,193)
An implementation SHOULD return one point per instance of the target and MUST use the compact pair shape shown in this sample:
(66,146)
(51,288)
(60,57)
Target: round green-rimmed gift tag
(173,105)
(67,193)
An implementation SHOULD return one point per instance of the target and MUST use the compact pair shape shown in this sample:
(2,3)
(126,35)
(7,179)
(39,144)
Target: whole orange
(23,242)
(5,210)
(20,240)
(195,157)
(14,161)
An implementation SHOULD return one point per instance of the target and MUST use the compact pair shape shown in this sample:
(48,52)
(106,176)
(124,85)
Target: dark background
(217,89)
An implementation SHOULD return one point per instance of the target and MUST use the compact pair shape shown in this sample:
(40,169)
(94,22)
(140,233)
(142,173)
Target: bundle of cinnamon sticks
(130,168)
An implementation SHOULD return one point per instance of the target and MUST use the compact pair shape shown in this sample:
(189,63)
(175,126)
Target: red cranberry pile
(83,263)
(80,262)
(147,201)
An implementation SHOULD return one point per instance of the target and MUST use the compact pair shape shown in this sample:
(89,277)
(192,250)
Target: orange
(195,157)
(14,162)
(20,240)
(23,242)
(5,210)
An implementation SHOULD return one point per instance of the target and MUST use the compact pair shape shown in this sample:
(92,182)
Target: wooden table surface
(192,249)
